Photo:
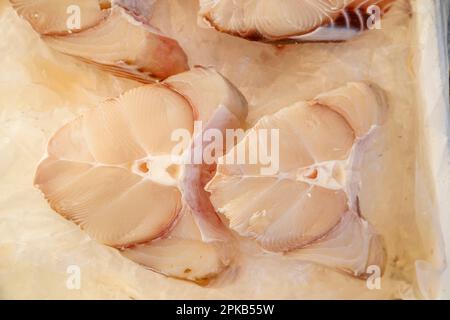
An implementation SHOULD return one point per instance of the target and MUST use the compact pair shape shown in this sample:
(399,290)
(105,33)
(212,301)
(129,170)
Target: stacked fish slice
(113,172)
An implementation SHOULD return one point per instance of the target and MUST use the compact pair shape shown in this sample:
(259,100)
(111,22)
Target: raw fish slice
(54,17)
(114,172)
(110,161)
(362,104)
(283,211)
(124,47)
(313,186)
(182,254)
(114,36)
(353,247)
(301,20)
(264,19)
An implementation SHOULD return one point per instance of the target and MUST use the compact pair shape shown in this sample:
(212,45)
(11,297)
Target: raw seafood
(228,114)
(300,20)
(113,36)
(320,145)
(182,254)
(37,245)
(114,172)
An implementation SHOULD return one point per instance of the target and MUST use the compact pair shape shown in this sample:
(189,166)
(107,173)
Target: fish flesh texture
(229,112)
(312,198)
(114,36)
(297,20)
(113,171)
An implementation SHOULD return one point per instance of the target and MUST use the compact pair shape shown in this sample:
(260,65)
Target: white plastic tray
(433,85)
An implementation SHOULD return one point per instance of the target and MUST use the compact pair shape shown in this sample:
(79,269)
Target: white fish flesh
(113,172)
(313,189)
(115,37)
(299,20)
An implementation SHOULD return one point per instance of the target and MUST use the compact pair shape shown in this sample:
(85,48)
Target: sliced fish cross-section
(300,20)
(113,171)
(95,171)
(312,190)
(110,36)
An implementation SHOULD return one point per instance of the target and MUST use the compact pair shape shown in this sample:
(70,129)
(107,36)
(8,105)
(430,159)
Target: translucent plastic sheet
(433,145)
(405,176)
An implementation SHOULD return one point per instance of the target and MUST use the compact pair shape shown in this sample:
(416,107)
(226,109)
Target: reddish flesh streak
(198,175)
